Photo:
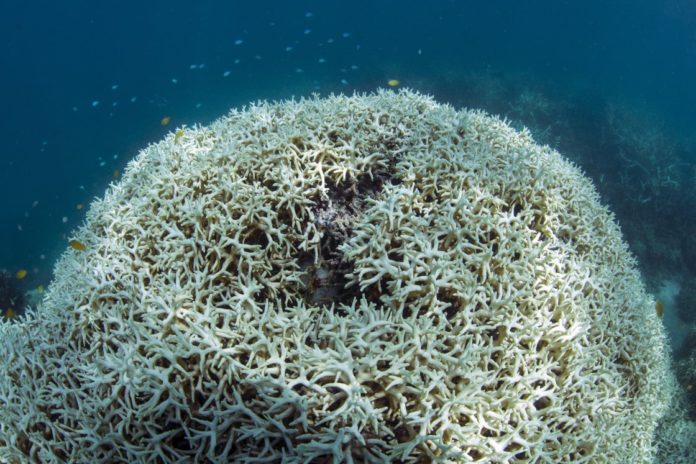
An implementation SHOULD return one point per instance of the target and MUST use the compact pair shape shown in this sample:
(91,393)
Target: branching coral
(370,278)
(651,170)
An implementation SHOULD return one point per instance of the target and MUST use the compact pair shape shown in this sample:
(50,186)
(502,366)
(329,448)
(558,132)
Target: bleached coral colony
(361,279)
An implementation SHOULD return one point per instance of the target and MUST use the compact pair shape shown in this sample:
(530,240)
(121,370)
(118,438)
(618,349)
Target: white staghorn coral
(352,279)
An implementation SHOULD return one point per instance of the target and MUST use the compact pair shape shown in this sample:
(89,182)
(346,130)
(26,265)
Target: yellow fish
(393,82)
(9,313)
(22,273)
(116,174)
(165,120)
(659,309)
(79,206)
(77,245)
(178,134)
(40,289)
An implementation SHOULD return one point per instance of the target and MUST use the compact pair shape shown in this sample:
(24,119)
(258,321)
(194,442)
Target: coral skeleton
(376,278)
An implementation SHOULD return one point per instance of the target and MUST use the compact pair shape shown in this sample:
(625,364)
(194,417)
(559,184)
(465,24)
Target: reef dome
(350,279)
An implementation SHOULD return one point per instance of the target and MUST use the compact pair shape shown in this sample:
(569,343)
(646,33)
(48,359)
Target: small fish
(238,42)
(659,309)
(393,82)
(79,206)
(9,314)
(22,273)
(40,289)
(178,134)
(165,120)
(77,245)
(116,174)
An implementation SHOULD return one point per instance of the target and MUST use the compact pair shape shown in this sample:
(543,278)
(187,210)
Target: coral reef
(539,114)
(643,168)
(652,169)
(649,181)
(676,435)
(685,369)
(371,278)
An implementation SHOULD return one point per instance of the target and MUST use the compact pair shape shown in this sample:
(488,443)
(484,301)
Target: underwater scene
(331,231)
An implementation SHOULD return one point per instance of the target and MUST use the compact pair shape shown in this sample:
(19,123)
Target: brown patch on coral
(326,280)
